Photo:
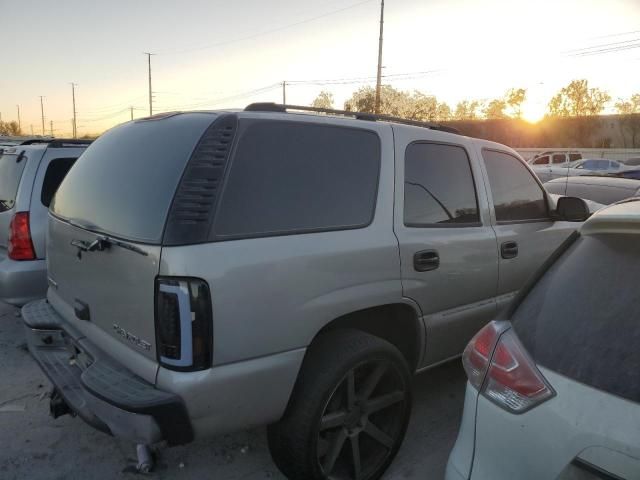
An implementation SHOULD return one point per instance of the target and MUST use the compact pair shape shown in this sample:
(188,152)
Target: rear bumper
(22,281)
(98,389)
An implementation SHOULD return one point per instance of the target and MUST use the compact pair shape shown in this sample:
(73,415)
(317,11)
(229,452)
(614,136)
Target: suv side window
(541,161)
(438,186)
(575,156)
(558,158)
(517,197)
(56,171)
(291,177)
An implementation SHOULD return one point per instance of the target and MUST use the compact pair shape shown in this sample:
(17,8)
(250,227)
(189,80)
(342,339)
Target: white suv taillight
(499,367)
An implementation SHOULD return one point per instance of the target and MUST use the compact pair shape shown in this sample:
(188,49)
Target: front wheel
(348,412)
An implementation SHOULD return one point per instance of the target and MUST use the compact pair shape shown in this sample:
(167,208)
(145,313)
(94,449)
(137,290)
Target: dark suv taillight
(184,323)
(20,243)
(499,367)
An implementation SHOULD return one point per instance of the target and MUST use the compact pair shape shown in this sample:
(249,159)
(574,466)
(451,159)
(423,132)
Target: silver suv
(214,271)
(30,174)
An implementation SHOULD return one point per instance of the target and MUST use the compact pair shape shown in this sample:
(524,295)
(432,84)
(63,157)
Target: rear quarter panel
(274,294)
(543,442)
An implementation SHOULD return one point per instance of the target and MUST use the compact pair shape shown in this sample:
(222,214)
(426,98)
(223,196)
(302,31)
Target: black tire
(352,399)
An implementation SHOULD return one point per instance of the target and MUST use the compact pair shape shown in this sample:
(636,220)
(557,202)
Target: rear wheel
(349,410)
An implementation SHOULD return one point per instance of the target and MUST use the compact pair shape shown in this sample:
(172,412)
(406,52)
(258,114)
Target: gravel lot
(34,446)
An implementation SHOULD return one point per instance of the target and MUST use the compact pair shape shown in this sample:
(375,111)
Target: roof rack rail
(282,108)
(58,142)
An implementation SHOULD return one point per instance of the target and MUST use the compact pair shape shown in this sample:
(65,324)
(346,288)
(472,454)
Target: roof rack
(58,142)
(276,107)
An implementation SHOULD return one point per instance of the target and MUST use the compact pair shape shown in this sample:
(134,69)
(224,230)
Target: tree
(466,110)
(323,100)
(495,109)
(629,120)
(578,100)
(9,128)
(515,97)
(398,103)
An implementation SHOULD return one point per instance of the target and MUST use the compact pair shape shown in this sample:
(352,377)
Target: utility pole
(73,97)
(284,92)
(51,127)
(42,112)
(19,123)
(379,76)
(32,129)
(131,108)
(150,90)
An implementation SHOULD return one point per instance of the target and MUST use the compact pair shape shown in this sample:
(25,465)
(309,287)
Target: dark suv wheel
(348,412)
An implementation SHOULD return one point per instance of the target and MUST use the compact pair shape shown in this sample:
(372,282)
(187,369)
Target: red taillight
(20,244)
(510,379)
(475,358)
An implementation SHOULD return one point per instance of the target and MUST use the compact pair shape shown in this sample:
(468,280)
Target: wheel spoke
(378,435)
(351,388)
(357,463)
(383,401)
(334,451)
(372,381)
(332,420)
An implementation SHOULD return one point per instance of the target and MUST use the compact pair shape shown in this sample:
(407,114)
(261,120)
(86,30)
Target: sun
(532,112)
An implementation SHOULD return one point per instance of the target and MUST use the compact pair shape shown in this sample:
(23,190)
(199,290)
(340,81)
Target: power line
(266,32)
(603,51)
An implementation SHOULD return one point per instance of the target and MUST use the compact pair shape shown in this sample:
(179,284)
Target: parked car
(216,271)
(633,174)
(29,177)
(551,158)
(587,166)
(601,189)
(554,385)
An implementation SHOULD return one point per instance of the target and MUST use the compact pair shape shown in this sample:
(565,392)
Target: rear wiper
(102,243)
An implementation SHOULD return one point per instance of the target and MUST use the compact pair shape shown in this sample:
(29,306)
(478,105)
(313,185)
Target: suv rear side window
(558,158)
(516,194)
(438,186)
(11,167)
(56,171)
(291,177)
(575,156)
(582,319)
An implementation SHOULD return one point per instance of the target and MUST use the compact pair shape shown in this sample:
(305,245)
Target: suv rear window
(10,175)
(123,184)
(582,319)
(291,177)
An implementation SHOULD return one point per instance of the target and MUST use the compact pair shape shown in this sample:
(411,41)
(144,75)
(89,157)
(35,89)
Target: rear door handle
(426,260)
(509,250)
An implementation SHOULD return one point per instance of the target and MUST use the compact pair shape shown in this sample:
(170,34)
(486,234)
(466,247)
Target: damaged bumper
(97,388)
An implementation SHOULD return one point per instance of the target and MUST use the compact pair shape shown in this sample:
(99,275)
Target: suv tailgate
(111,289)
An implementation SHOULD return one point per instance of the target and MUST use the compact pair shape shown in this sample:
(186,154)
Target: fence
(609,153)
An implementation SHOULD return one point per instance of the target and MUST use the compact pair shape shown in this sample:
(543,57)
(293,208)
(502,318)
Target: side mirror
(572,209)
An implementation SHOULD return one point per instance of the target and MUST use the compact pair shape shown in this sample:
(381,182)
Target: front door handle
(509,250)
(426,260)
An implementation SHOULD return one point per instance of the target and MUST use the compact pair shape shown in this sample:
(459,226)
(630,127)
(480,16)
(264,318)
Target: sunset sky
(215,54)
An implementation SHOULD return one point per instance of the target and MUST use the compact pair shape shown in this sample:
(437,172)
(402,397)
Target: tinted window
(614,165)
(11,167)
(123,184)
(291,177)
(574,156)
(633,161)
(559,158)
(56,171)
(541,161)
(516,194)
(582,319)
(438,186)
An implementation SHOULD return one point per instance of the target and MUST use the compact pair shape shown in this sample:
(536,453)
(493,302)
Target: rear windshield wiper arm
(103,243)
